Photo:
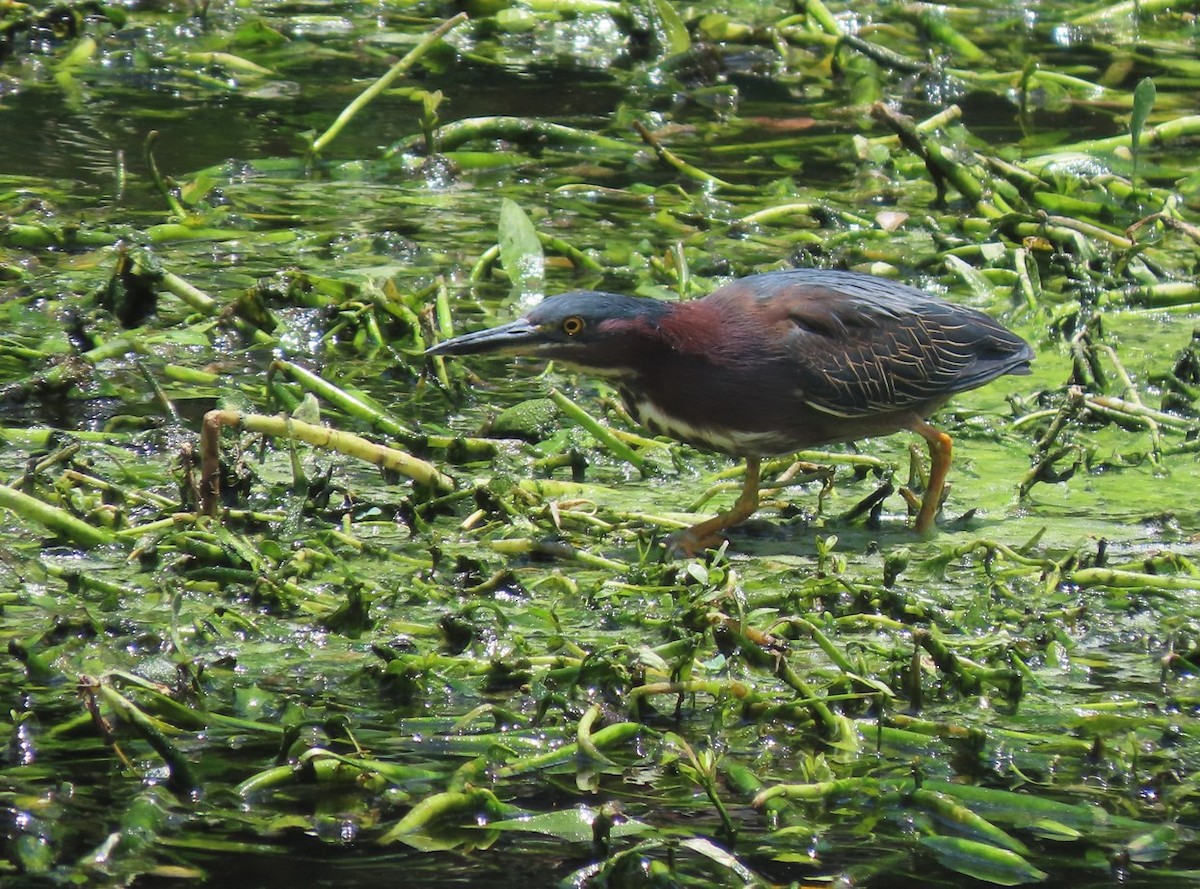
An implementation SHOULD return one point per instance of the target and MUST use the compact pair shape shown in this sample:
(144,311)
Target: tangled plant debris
(281,597)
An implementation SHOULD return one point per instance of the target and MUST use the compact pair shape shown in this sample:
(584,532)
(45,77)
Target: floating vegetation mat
(287,602)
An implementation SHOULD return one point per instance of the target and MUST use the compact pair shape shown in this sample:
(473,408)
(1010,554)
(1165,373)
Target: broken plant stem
(375,89)
(675,162)
(320,436)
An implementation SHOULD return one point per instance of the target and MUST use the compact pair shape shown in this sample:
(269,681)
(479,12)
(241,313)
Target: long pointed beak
(513,338)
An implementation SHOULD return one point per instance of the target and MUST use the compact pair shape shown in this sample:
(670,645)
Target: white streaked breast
(731,441)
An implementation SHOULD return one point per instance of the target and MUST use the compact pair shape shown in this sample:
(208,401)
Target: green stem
(601,433)
(173,202)
(518,130)
(373,91)
(57,520)
(1125,8)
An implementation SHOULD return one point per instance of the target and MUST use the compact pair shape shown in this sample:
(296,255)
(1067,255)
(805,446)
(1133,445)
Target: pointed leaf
(673,33)
(716,854)
(521,250)
(983,861)
(573,825)
(1143,104)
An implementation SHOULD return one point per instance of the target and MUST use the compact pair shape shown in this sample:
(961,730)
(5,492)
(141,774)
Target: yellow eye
(573,326)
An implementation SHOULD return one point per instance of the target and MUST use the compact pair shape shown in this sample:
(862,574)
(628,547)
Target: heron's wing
(859,352)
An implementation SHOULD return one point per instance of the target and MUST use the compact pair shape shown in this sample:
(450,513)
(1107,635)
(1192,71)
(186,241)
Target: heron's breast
(706,434)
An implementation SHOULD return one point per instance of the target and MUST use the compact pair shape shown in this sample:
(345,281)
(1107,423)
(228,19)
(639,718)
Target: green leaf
(573,825)
(1048,829)
(1143,104)
(983,861)
(34,854)
(449,820)
(1156,845)
(672,32)
(720,857)
(970,276)
(521,249)
(957,816)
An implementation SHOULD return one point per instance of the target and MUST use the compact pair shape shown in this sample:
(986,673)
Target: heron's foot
(708,534)
(925,508)
(692,542)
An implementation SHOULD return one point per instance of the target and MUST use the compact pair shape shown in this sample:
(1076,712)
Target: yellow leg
(707,534)
(941,450)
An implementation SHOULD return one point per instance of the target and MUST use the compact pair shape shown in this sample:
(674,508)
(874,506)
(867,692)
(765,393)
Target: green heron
(772,364)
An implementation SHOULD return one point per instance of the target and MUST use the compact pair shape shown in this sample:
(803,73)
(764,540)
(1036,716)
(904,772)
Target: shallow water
(1044,643)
